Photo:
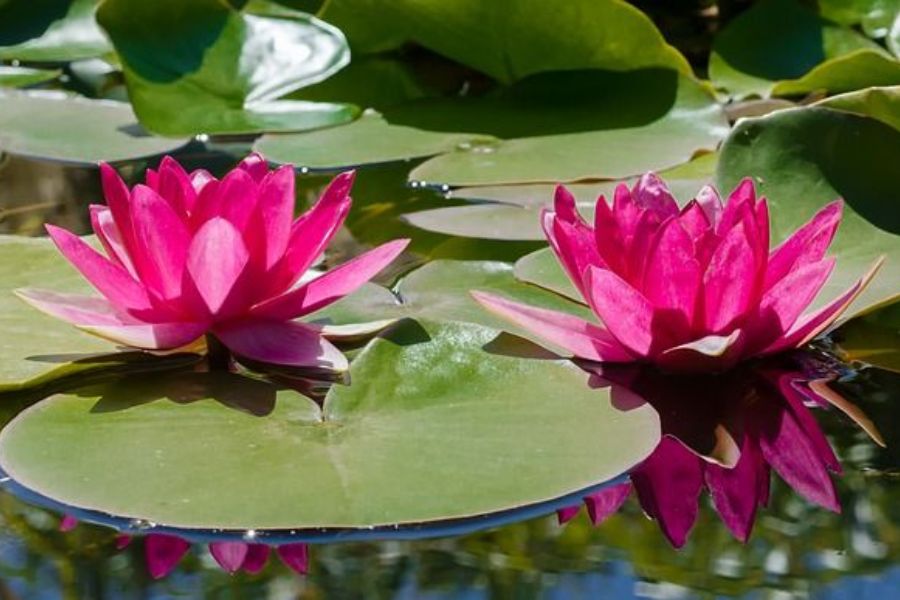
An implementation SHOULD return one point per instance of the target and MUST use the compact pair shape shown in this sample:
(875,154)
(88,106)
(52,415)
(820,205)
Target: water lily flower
(742,427)
(188,255)
(690,289)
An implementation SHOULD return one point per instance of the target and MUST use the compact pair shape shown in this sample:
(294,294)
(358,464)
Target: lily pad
(854,71)
(512,212)
(227,75)
(872,338)
(634,132)
(875,16)
(369,139)
(777,40)
(405,443)
(36,349)
(25,76)
(509,39)
(56,126)
(50,31)
(882,103)
(802,159)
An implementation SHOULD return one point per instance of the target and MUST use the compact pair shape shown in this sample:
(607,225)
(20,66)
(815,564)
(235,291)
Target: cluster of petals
(690,289)
(773,431)
(164,551)
(187,254)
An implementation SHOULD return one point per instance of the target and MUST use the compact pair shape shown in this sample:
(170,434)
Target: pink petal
(313,231)
(275,209)
(709,200)
(785,301)
(604,503)
(175,186)
(229,555)
(811,325)
(68,523)
(582,339)
(74,309)
(156,336)
(787,448)
(105,228)
(216,260)
(625,312)
(736,492)
(110,279)
(574,245)
(122,541)
(650,192)
(233,198)
(672,276)
(794,400)
(668,485)
(564,515)
(199,179)
(695,221)
(806,245)
(761,214)
(729,281)
(331,286)
(743,196)
(708,354)
(162,239)
(564,206)
(257,555)
(255,166)
(295,556)
(119,201)
(609,227)
(163,552)
(285,343)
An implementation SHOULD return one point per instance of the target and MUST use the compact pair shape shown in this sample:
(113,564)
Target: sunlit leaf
(65,128)
(404,443)
(24,76)
(50,31)
(511,39)
(879,103)
(229,67)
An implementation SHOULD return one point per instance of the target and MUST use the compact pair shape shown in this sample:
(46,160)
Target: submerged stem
(217,354)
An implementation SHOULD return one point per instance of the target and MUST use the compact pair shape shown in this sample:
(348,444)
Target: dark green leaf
(50,31)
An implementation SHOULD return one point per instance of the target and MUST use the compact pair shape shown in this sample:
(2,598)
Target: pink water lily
(690,289)
(188,255)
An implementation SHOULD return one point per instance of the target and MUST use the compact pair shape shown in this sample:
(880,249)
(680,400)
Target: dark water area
(797,550)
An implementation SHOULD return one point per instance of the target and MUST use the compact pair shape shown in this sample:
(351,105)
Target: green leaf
(50,31)
(512,212)
(778,40)
(872,338)
(802,159)
(55,126)
(875,16)
(637,127)
(369,139)
(511,39)
(24,76)
(879,103)
(36,349)
(204,67)
(854,71)
(404,443)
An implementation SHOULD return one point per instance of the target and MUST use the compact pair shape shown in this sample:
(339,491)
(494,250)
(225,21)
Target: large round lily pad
(433,427)
(50,31)
(55,126)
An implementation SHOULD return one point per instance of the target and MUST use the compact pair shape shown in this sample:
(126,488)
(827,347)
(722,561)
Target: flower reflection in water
(724,433)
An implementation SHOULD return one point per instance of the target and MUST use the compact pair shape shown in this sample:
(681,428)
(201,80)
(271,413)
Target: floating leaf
(511,39)
(854,71)
(777,40)
(221,451)
(229,67)
(879,103)
(55,126)
(369,139)
(875,16)
(24,76)
(512,212)
(34,348)
(646,129)
(872,338)
(50,31)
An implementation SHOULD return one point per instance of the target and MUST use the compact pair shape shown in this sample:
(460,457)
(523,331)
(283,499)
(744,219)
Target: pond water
(796,549)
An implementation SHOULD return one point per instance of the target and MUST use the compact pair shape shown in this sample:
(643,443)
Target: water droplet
(250,535)
(15,63)
(414,184)
(202,138)
(304,170)
(5,479)
(445,188)
(141,524)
